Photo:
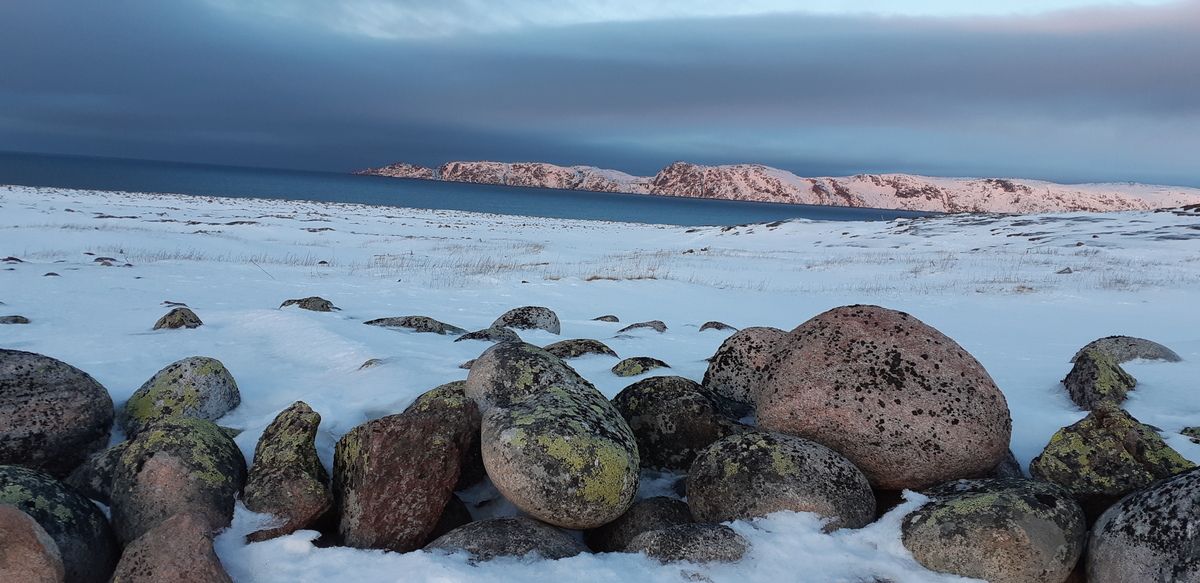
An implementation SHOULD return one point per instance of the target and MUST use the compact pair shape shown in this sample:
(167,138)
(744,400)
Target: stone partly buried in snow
(14,320)
(313,303)
(714,325)
(530,318)
(552,444)
(79,530)
(416,324)
(1151,535)
(644,516)
(1126,348)
(179,549)
(393,477)
(756,473)
(178,318)
(1001,530)
(27,553)
(693,543)
(93,478)
(656,325)
(634,366)
(508,537)
(1192,433)
(1105,456)
(673,420)
(52,415)
(493,334)
(197,386)
(177,465)
(286,478)
(735,372)
(579,347)
(606,318)
(906,404)
(1095,378)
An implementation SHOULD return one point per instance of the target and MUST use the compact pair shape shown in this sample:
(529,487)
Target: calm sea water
(196,179)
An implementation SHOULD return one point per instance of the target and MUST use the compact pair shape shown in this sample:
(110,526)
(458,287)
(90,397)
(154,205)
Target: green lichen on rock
(1097,378)
(673,419)
(178,318)
(511,371)
(196,386)
(416,324)
(287,478)
(631,367)
(579,347)
(94,477)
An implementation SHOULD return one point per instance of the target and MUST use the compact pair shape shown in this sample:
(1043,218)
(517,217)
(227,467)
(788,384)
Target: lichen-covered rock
(512,371)
(485,540)
(606,318)
(1126,348)
(756,473)
(493,334)
(714,325)
(634,366)
(14,320)
(313,303)
(93,478)
(530,318)
(644,516)
(178,318)
(179,549)
(1105,456)
(416,324)
(1152,535)
(693,543)
(1095,378)
(656,325)
(79,530)
(286,478)
(673,420)
(178,465)
(735,372)
(906,404)
(579,347)
(197,386)
(27,553)
(393,477)
(451,400)
(52,415)
(1007,530)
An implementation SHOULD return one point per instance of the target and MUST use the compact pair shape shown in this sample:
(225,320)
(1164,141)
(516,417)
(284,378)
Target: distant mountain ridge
(755,182)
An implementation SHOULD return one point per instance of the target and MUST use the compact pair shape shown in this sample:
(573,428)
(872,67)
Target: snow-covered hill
(755,182)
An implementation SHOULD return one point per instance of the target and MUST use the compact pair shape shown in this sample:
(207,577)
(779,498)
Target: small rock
(1065,271)
(179,549)
(416,324)
(656,325)
(673,420)
(714,325)
(1150,535)
(644,516)
(12,260)
(313,303)
(50,274)
(93,478)
(607,318)
(530,318)
(692,543)
(631,367)
(287,479)
(1192,433)
(371,363)
(1097,378)
(14,320)
(579,347)
(27,553)
(508,537)
(493,334)
(735,372)
(197,386)
(179,318)
(1126,348)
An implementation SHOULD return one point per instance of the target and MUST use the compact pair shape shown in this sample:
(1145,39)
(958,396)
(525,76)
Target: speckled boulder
(82,534)
(286,478)
(756,473)
(179,549)
(714,325)
(1152,535)
(906,404)
(579,347)
(656,325)
(52,415)
(530,318)
(508,537)
(27,553)
(93,478)
(735,372)
(673,420)
(511,371)
(644,516)
(693,543)
(178,318)
(634,366)
(178,465)
(313,303)
(451,399)
(1105,456)
(1097,378)
(197,386)
(394,476)
(1126,348)
(493,334)
(1000,530)
(416,324)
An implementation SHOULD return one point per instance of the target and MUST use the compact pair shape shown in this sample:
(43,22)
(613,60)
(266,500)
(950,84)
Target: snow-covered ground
(991,283)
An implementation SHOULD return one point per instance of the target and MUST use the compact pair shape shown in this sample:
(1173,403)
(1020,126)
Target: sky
(1066,90)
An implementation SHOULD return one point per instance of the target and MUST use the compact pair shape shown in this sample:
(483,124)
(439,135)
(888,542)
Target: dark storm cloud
(1099,94)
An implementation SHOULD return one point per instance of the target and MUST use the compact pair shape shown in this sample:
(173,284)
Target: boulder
(756,473)
(513,371)
(179,318)
(644,516)
(606,318)
(634,366)
(714,325)
(735,372)
(450,400)
(508,537)
(27,553)
(673,420)
(197,386)
(52,415)
(1152,535)
(906,404)
(78,528)
(1007,530)
(314,303)
(692,543)
(416,324)
(1105,456)
(493,334)
(530,318)
(1126,348)
(656,325)
(179,549)
(178,465)
(93,478)
(1192,433)
(14,320)
(1095,378)
(286,478)
(579,347)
